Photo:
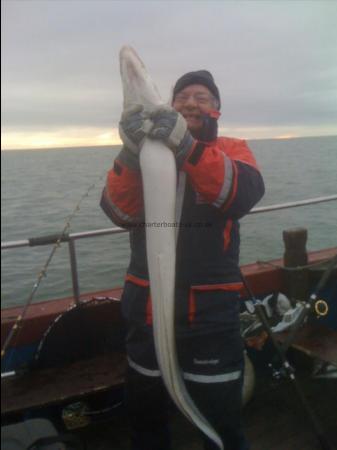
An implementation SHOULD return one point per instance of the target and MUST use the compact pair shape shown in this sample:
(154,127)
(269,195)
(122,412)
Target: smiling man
(196,97)
(219,183)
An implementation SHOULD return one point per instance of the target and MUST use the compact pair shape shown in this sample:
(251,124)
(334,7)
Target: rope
(43,271)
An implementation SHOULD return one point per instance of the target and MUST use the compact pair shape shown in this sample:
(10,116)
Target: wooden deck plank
(316,341)
(274,418)
(45,387)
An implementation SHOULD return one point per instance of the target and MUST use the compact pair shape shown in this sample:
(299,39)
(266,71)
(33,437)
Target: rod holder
(74,274)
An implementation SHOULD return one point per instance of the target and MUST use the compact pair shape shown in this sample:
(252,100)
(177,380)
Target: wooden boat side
(262,277)
(40,315)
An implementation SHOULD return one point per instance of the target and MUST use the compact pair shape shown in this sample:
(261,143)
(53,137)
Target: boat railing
(70,238)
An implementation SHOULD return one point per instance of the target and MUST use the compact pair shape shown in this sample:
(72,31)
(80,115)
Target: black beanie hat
(198,77)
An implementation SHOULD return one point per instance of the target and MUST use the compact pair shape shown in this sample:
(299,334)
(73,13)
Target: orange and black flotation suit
(222,184)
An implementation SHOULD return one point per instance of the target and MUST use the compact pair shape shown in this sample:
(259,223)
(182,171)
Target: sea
(43,190)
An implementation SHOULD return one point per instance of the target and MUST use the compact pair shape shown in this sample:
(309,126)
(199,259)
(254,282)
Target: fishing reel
(321,308)
(280,373)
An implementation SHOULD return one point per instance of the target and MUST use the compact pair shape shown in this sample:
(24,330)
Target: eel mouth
(131,66)
(138,86)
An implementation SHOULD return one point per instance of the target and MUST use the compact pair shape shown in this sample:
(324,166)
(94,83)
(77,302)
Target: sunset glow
(75,137)
(86,137)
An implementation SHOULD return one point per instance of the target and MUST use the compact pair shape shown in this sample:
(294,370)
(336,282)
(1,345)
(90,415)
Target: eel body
(159,175)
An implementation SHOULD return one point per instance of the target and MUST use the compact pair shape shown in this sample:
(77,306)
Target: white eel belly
(159,175)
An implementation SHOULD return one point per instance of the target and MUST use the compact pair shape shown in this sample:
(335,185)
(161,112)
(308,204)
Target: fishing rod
(63,236)
(281,350)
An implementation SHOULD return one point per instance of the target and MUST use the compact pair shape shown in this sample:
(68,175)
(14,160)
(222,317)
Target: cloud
(274,62)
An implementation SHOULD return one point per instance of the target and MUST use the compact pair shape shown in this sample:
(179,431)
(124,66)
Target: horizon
(95,137)
(78,147)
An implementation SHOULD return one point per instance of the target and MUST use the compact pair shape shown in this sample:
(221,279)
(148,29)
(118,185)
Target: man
(220,183)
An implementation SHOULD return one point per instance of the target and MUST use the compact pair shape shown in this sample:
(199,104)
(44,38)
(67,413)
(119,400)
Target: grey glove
(134,125)
(170,127)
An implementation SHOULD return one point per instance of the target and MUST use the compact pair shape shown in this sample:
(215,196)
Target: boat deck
(47,387)
(274,420)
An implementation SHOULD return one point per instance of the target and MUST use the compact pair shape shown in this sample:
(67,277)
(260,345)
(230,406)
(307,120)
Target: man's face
(192,102)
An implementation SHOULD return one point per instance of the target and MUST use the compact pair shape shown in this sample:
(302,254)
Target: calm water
(41,188)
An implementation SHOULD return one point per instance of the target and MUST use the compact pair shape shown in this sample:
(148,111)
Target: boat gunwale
(263,278)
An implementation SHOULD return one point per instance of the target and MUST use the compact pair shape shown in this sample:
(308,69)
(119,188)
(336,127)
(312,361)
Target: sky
(274,62)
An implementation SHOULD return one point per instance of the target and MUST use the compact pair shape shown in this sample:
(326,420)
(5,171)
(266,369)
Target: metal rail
(310,201)
(116,230)
(72,237)
(51,239)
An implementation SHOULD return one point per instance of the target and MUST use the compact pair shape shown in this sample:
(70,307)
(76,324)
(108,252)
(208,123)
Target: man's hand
(170,127)
(134,125)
